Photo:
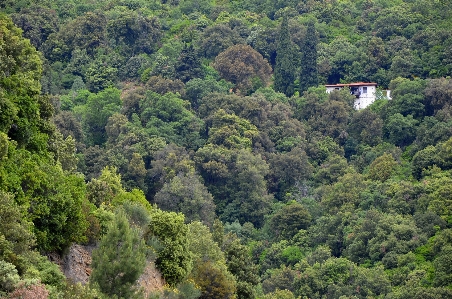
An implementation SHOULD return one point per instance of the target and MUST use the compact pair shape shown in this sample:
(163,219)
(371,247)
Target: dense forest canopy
(197,135)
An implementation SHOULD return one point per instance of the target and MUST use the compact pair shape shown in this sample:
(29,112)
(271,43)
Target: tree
(243,66)
(400,130)
(37,23)
(213,282)
(169,116)
(241,266)
(216,39)
(119,260)
(173,258)
(188,65)
(284,69)
(25,113)
(289,220)
(309,73)
(382,168)
(186,194)
(97,110)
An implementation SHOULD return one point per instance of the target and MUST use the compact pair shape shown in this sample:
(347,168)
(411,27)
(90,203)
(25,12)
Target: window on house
(365,89)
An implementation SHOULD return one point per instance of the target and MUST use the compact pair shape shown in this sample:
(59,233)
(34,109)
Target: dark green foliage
(328,202)
(186,194)
(99,107)
(214,284)
(188,65)
(284,67)
(289,220)
(119,260)
(37,23)
(239,263)
(309,73)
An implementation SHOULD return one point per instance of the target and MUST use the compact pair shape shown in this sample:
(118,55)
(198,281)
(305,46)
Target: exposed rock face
(76,266)
(151,280)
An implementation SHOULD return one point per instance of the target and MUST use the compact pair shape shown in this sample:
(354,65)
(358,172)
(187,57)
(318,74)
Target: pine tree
(284,67)
(309,73)
(119,260)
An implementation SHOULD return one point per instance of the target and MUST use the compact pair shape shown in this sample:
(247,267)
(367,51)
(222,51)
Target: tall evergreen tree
(309,73)
(284,69)
(119,260)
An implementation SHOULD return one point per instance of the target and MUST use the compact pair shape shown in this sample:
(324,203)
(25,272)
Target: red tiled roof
(352,84)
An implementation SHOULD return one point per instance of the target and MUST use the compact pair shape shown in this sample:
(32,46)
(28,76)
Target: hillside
(197,136)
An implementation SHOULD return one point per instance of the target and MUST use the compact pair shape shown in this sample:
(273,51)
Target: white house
(364,92)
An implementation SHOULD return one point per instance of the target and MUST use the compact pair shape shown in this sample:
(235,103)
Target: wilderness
(184,149)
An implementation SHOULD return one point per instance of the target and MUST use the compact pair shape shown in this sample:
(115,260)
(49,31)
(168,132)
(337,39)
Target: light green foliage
(208,258)
(173,259)
(99,107)
(338,276)
(119,260)
(202,246)
(24,116)
(54,199)
(9,277)
(280,294)
(169,116)
(231,131)
(16,238)
(382,168)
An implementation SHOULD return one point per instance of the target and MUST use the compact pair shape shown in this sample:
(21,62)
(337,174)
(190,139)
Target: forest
(197,135)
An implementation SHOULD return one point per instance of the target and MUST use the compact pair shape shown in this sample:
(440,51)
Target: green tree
(216,39)
(289,220)
(309,73)
(25,114)
(97,110)
(284,72)
(213,282)
(243,66)
(37,23)
(186,194)
(173,258)
(188,65)
(382,168)
(239,263)
(15,232)
(400,130)
(119,260)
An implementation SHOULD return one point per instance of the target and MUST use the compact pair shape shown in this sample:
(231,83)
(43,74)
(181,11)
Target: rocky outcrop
(151,280)
(76,266)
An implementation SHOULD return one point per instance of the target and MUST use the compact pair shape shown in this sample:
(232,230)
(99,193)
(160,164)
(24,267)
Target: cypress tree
(284,68)
(309,74)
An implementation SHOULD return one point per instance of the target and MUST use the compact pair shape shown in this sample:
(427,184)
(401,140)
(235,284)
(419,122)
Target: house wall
(365,99)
